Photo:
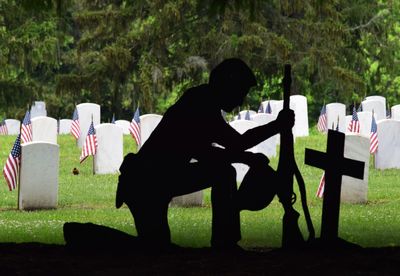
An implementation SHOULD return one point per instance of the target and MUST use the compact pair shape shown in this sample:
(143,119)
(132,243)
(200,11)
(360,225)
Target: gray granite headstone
(109,153)
(38,109)
(38,188)
(44,129)
(13,126)
(242,126)
(85,112)
(335,111)
(377,106)
(299,105)
(356,190)
(268,147)
(65,126)
(388,153)
(395,112)
(148,123)
(124,125)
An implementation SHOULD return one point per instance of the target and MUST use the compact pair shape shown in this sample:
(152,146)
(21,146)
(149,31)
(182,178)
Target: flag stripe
(90,146)
(11,168)
(321,187)
(134,127)
(322,124)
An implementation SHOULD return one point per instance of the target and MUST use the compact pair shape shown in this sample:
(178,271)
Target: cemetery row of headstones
(110,155)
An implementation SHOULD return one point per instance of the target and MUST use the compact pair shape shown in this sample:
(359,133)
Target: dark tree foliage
(121,53)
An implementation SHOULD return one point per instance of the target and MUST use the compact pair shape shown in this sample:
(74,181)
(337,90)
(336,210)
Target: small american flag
(90,146)
(11,168)
(260,109)
(322,121)
(354,125)
(75,126)
(134,127)
(373,138)
(268,108)
(247,116)
(26,128)
(3,128)
(321,186)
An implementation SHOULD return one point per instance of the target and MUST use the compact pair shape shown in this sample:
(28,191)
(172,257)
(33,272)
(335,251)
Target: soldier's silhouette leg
(148,198)
(150,213)
(221,177)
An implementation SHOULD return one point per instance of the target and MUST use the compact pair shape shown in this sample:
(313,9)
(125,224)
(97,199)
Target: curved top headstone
(87,111)
(299,105)
(13,126)
(376,98)
(109,153)
(377,106)
(388,153)
(335,112)
(65,126)
(243,114)
(148,123)
(124,124)
(38,109)
(395,111)
(44,129)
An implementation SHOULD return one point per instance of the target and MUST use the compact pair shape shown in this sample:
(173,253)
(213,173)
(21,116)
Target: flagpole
(93,154)
(19,171)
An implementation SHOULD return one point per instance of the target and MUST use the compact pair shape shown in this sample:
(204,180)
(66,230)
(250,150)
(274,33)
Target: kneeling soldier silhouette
(162,168)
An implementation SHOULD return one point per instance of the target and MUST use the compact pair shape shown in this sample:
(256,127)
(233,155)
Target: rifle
(287,169)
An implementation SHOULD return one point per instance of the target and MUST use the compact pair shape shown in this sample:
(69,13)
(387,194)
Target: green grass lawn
(90,198)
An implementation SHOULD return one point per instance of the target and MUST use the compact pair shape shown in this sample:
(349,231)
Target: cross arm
(315,158)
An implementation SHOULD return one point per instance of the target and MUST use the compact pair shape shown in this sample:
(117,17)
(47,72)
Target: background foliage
(124,53)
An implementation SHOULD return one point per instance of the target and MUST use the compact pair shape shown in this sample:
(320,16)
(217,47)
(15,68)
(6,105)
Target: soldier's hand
(285,119)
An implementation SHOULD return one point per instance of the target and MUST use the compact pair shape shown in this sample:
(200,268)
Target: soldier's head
(230,81)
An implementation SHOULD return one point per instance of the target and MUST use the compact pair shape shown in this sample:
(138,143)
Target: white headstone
(124,125)
(243,114)
(348,120)
(377,106)
(268,147)
(148,123)
(276,106)
(85,112)
(109,153)
(13,126)
(388,153)
(38,188)
(65,126)
(355,190)
(242,126)
(38,109)
(44,129)
(335,111)
(377,98)
(299,105)
(365,118)
(395,112)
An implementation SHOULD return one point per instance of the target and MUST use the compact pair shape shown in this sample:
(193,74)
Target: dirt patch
(35,259)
